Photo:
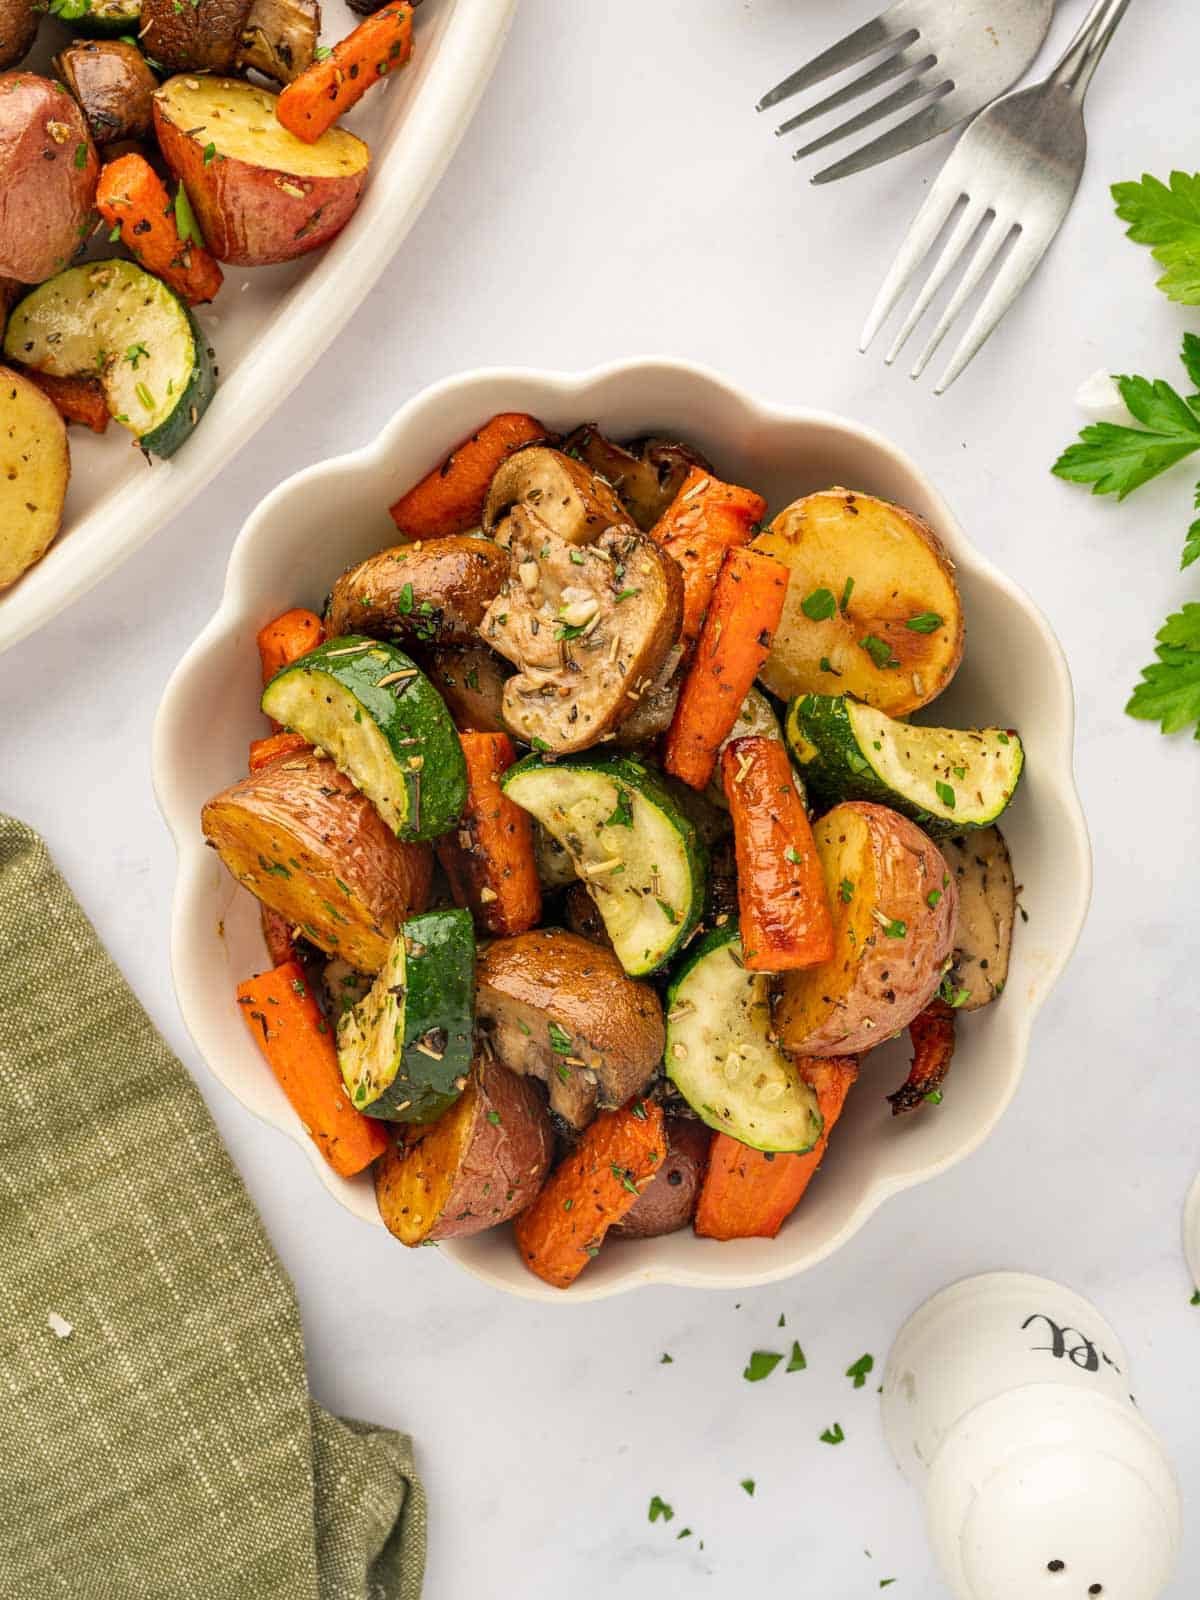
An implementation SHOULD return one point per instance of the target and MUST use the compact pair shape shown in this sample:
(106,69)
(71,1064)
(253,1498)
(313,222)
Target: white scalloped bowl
(1014,673)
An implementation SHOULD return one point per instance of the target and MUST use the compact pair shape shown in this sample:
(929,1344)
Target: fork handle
(1083,54)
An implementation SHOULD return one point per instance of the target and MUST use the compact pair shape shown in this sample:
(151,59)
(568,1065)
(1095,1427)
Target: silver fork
(952,55)
(1012,176)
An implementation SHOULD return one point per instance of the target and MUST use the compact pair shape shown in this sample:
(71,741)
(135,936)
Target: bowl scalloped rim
(714,1265)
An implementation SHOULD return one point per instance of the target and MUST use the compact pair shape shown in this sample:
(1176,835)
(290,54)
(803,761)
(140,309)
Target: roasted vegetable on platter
(672,916)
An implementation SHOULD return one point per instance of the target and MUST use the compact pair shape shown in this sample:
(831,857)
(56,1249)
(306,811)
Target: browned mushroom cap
(470,679)
(432,592)
(555,1007)
(114,85)
(646,479)
(572,501)
(588,629)
(205,37)
(18,25)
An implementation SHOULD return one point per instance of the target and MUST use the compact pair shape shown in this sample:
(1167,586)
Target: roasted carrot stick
(264,751)
(933,1038)
(450,498)
(77,399)
(286,638)
(747,604)
(591,1189)
(489,859)
(313,102)
(288,1027)
(132,197)
(783,906)
(706,518)
(748,1194)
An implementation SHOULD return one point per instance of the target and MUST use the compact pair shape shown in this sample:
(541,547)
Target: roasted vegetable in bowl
(661,950)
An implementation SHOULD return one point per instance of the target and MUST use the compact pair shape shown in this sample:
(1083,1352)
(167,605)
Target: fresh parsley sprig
(1115,459)
(1167,218)
(1169,692)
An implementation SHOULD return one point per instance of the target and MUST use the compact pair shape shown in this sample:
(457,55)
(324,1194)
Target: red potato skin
(246,218)
(45,198)
(669,1202)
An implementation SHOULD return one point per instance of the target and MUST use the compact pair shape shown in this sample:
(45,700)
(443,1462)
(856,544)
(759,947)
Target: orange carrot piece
(747,604)
(706,518)
(450,498)
(783,906)
(933,1039)
(489,858)
(286,638)
(288,1028)
(592,1188)
(77,399)
(264,751)
(131,196)
(749,1194)
(382,43)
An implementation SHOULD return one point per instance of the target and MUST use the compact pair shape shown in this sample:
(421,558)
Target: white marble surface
(617,195)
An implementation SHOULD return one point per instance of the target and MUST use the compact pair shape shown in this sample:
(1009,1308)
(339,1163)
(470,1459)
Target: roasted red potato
(259,193)
(48,171)
(668,1203)
(479,1164)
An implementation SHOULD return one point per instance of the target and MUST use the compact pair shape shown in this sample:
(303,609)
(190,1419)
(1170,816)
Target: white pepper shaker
(1006,1402)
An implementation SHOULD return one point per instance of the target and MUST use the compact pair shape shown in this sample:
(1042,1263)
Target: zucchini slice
(102,19)
(640,858)
(110,319)
(405,1049)
(720,1055)
(946,779)
(378,717)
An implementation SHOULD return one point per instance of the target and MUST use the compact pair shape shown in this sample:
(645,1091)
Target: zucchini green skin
(792,1122)
(433,1019)
(195,400)
(427,780)
(108,20)
(628,775)
(838,763)
(67,326)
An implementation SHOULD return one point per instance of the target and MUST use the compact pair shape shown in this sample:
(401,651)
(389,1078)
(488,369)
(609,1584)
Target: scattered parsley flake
(879,650)
(748,1485)
(665,1360)
(660,1508)
(858,1370)
(924,622)
(818,606)
(761,1365)
(945,794)
(833,1435)
(797,1361)
(209,153)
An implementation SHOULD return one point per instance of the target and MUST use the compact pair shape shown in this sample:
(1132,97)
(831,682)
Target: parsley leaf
(1168,220)
(796,1361)
(880,651)
(819,605)
(660,1508)
(1191,544)
(761,1365)
(1169,692)
(858,1370)
(833,1435)
(186,225)
(1117,460)
(748,1485)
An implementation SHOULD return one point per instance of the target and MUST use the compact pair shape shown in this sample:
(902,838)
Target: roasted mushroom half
(646,477)
(114,85)
(433,592)
(571,500)
(588,629)
(987,904)
(555,1007)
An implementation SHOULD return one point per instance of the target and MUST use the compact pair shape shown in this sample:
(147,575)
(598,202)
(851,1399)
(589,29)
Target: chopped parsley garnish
(748,1485)
(818,606)
(945,794)
(793,855)
(932,898)
(560,1040)
(539,745)
(797,1362)
(494,1118)
(668,911)
(761,1365)
(136,353)
(405,603)
(895,928)
(626,594)
(952,996)
(782,1323)
(924,622)
(210,151)
(186,225)
(833,1435)
(665,1360)
(858,1370)
(1195,1300)
(624,1177)
(879,650)
(934,1097)
(660,1508)
(322,53)
(81,156)
(844,603)
(845,891)
(622,816)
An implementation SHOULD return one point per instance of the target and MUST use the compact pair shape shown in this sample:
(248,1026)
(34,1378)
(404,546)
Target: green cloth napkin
(165,1447)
